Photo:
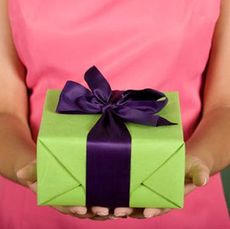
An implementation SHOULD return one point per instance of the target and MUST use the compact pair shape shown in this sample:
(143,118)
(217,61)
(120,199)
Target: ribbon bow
(109,141)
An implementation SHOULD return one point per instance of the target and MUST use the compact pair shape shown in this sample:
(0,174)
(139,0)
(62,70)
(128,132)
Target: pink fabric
(136,44)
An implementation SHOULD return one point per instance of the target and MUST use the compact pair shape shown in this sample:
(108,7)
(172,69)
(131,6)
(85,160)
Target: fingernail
(205,181)
(156,212)
(79,211)
(82,212)
(120,214)
(19,173)
(149,215)
(113,217)
(102,213)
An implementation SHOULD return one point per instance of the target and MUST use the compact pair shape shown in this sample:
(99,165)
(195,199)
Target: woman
(137,44)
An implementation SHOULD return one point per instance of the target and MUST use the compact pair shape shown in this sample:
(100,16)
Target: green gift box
(157,158)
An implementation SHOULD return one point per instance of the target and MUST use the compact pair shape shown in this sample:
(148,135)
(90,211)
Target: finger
(88,215)
(137,213)
(164,211)
(200,174)
(101,211)
(100,218)
(188,188)
(67,211)
(196,170)
(33,186)
(151,212)
(122,211)
(80,210)
(28,172)
(116,217)
(61,209)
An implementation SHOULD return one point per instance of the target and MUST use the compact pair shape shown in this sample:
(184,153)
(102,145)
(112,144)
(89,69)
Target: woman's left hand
(196,174)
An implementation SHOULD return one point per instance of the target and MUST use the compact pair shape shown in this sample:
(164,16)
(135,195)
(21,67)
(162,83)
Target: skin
(207,148)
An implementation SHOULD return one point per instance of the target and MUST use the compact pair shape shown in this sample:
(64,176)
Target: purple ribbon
(109,141)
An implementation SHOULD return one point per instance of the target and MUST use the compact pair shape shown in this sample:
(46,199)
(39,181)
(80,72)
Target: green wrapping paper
(157,158)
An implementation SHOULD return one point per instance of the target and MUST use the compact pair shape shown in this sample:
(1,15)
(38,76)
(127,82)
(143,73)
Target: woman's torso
(136,44)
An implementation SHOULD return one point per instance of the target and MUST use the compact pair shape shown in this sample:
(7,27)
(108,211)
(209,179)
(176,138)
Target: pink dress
(136,44)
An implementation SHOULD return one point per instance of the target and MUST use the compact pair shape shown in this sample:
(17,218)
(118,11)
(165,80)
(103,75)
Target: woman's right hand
(27,176)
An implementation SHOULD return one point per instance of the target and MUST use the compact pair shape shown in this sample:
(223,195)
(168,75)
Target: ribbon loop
(98,84)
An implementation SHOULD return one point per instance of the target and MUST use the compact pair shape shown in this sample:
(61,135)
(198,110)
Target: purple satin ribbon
(109,141)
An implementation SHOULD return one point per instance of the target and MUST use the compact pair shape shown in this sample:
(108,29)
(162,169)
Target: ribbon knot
(108,106)
(109,141)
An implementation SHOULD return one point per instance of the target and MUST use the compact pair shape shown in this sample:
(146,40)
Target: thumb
(198,171)
(28,173)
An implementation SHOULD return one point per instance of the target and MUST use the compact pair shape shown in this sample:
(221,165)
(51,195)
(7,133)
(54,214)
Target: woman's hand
(28,177)
(196,174)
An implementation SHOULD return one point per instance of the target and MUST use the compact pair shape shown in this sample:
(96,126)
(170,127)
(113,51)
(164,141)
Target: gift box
(89,156)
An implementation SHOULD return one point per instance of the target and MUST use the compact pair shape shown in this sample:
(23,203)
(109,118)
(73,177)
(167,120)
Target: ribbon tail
(108,163)
(160,121)
(128,114)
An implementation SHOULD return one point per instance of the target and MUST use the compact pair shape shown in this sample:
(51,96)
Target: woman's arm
(211,139)
(16,145)
(209,146)
(17,148)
